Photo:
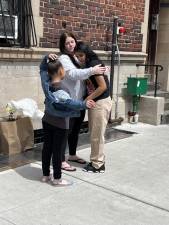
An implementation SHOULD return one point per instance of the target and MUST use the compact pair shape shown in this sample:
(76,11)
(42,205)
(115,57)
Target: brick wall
(92,21)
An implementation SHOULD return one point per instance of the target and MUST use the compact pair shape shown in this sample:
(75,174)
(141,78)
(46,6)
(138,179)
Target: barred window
(17,26)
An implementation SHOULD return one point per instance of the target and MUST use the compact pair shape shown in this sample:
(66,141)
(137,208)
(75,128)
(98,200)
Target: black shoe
(91,169)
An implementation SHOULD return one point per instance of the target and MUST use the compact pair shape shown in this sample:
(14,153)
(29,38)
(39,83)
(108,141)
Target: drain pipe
(113,55)
(118,82)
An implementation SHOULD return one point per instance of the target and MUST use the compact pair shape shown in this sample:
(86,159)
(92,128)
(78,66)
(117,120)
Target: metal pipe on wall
(113,60)
(113,54)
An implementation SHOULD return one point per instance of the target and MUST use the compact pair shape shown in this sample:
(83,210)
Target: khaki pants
(98,119)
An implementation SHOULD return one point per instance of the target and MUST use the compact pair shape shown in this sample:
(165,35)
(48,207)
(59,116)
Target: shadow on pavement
(30,172)
(14,161)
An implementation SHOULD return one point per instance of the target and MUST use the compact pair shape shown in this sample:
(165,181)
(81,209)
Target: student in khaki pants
(98,119)
(97,90)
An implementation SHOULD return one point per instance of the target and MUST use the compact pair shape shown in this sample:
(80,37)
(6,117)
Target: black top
(92,83)
(60,122)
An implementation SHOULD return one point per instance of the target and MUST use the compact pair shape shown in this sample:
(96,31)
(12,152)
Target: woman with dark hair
(98,90)
(74,82)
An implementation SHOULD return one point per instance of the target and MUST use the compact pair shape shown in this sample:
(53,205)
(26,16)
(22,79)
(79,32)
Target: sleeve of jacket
(45,85)
(45,79)
(64,99)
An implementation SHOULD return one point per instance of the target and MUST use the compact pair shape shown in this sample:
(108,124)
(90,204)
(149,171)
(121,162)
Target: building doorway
(154,10)
(158,41)
(162,54)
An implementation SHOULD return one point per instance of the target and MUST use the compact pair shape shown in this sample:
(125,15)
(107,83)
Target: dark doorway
(153,30)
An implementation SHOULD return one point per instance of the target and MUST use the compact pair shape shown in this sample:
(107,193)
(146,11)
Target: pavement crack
(7,221)
(122,194)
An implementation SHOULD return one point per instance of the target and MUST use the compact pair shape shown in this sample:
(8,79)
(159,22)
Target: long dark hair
(91,57)
(62,42)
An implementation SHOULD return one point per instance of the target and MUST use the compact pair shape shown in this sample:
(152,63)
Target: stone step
(160,93)
(164,94)
(166,106)
(151,86)
(165,117)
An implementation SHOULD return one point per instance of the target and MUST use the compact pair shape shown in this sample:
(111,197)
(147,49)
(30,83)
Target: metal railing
(22,11)
(158,68)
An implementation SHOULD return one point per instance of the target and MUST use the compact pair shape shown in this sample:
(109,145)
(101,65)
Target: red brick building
(92,22)
(38,29)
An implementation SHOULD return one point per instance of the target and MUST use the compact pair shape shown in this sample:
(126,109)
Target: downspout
(113,56)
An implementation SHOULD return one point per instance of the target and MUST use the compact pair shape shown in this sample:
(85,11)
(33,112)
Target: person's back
(55,132)
(56,127)
(61,122)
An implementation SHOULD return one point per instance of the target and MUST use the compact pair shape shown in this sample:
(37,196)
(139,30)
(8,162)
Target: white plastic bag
(26,107)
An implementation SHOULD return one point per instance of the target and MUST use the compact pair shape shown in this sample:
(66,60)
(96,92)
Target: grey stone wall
(19,75)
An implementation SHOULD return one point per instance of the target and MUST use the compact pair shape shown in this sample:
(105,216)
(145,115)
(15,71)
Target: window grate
(17,26)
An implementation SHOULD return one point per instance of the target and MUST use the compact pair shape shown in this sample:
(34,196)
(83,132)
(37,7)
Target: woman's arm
(79,74)
(101,88)
(72,72)
(64,99)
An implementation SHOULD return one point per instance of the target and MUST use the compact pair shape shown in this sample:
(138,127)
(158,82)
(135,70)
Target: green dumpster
(137,86)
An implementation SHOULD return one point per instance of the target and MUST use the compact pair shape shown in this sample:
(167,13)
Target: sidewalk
(133,191)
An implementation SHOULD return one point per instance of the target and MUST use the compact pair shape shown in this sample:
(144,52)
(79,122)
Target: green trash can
(137,85)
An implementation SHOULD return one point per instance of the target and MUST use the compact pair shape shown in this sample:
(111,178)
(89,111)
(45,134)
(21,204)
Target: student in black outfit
(56,123)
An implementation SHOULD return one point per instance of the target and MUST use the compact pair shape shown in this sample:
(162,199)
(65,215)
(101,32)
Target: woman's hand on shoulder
(98,69)
(53,56)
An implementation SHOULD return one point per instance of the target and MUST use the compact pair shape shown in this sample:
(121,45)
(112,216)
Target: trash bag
(26,107)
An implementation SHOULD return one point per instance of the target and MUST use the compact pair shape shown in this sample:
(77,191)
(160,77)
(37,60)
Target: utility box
(137,85)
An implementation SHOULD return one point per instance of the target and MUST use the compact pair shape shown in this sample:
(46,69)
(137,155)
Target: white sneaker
(61,183)
(46,179)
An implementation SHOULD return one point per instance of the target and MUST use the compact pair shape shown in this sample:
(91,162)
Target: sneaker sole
(62,185)
(102,171)
(88,171)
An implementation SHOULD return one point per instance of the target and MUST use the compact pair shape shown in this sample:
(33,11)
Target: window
(17,24)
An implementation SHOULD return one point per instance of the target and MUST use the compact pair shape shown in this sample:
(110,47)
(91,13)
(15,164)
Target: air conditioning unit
(8,26)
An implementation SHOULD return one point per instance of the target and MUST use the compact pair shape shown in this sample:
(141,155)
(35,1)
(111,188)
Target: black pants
(75,124)
(55,140)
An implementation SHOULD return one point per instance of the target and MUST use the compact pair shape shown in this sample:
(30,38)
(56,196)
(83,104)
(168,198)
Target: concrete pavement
(133,191)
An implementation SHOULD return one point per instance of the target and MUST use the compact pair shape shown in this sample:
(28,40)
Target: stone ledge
(151,109)
(23,54)
(125,56)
